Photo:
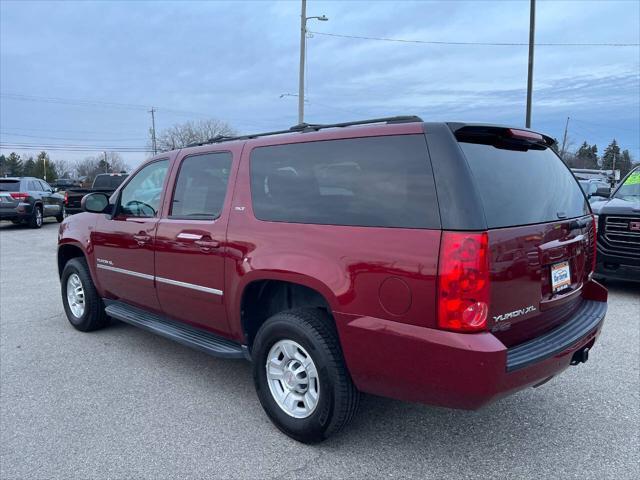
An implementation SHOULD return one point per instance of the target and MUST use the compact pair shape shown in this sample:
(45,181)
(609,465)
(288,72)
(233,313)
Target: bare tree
(115,163)
(184,134)
(87,168)
(63,168)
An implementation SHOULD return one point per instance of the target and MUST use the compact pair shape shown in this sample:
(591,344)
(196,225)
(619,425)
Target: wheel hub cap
(293,378)
(75,295)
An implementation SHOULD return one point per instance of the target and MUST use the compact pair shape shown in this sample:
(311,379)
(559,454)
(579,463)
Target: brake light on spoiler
(525,135)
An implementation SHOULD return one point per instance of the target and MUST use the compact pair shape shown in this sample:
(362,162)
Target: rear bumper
(458,370)
(21,211)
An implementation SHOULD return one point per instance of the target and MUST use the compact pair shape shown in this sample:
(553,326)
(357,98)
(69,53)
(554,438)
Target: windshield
(630,189)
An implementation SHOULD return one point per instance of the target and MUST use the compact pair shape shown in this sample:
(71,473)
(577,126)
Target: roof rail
(311,127)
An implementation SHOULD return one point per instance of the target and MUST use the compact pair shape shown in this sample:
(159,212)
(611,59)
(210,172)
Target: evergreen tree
(3,161)
(625,164)
(587,156)
(39,170)
(29,169)
(13,165)
(613,150)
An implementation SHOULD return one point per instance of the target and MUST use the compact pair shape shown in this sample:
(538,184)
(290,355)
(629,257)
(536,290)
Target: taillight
(19,195)
(463,281)
(66,198)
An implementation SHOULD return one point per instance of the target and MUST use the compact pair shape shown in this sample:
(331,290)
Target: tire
(36,219)
(61,215)
(337,397)
(92,316)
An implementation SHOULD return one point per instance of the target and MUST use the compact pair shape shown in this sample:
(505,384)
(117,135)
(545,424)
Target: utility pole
(44,161)
(564,139)
(303,33)
(532,28)
(613,170)
(153,130)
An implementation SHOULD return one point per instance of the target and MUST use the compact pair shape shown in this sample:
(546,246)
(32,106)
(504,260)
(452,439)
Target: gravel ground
(123,403)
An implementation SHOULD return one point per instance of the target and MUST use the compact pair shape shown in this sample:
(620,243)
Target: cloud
(233,60)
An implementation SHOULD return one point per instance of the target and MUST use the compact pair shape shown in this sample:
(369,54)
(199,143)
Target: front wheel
(300,375)
(82,304)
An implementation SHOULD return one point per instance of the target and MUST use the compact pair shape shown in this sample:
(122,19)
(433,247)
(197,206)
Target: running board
(182,333)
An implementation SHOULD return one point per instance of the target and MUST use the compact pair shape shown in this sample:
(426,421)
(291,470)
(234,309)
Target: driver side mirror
(602,192)
(95,203)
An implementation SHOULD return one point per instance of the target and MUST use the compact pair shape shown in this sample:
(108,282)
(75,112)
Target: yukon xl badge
(514,314)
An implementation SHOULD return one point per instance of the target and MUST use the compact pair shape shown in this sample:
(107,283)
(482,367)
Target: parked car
(105,183)
(369,256)
(30,200)
(618,217)
(591,186)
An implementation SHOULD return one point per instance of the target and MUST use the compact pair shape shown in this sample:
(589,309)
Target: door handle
(207,244)
(141,238)
(188,236)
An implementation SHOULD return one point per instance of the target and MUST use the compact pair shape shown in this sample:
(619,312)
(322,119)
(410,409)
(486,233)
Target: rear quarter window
(523,187)
(369,182)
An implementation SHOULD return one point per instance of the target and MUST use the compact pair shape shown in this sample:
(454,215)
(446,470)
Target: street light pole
(303,33)
(532,28)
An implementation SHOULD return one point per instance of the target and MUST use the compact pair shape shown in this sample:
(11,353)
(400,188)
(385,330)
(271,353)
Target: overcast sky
(233,61)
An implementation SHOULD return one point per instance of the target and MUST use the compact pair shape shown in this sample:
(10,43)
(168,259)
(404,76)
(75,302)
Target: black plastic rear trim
(458,198)
(182,333)
(588,317)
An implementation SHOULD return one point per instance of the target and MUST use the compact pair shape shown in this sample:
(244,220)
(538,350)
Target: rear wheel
(82,304)
(36,217)
(300,375)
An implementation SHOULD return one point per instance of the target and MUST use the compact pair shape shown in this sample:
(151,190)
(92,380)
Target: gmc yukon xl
(443,263)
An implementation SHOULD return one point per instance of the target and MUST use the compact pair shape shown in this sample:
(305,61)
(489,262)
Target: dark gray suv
(29,199)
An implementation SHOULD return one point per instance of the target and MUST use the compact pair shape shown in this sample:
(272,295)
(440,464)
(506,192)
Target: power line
(80,139)
(485,44)
(611,127)
(49,130)
(95,103)
(71,148)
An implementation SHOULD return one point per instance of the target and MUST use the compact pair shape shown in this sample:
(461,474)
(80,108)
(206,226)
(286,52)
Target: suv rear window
(9,185)
(374,182)
(519,187)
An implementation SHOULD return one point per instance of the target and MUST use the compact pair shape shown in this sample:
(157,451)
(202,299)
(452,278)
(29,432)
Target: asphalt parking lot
(123,403)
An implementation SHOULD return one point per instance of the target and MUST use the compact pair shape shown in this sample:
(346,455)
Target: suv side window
(34,186)
(201,186)
(45,186)
(374,182)
(141,196)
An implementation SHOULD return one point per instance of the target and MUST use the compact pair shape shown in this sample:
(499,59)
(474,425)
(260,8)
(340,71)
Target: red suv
(443,263)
